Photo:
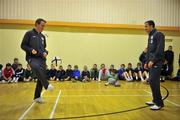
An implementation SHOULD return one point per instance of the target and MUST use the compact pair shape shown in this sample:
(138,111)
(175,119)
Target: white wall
(164,12)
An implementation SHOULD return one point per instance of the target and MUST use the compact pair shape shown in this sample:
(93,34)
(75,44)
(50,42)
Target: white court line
(99,95)
(24,114)
(55,105)
(93,95)
(117,90)
(148,92)
(177,105)
(173,103)
(106,95)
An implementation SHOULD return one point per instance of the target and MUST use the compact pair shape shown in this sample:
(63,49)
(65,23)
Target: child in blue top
(76,73)
(121,72)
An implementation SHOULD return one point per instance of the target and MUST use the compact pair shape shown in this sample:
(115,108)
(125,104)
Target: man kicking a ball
(34,44)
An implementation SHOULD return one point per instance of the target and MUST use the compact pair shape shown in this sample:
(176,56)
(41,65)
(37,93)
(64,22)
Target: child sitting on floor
(103,73)
(85,75)
(76,73)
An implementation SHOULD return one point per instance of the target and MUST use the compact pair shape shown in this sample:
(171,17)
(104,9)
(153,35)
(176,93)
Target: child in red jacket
(7,73)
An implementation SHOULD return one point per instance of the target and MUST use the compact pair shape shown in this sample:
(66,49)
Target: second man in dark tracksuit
(154,61)
(34,44)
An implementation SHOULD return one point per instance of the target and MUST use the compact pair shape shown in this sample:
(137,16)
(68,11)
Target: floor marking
(55,105)
(29,108)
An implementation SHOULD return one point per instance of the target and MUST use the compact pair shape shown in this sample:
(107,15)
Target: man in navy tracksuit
(154,61)
(34,44)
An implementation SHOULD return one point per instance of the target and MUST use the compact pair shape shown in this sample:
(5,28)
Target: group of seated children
(110,75)
(15,72)
(72,74)
(130,74)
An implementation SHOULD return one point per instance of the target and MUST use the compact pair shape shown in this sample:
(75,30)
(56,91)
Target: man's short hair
(38,21)
(151,23)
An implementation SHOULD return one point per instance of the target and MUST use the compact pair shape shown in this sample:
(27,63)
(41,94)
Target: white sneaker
(39,100)
(155,107)
(106,84)
(26,80)
(142,79)
(10,80)
(129,80)
(16,81)
(150,103)
(50,87)
(3,81)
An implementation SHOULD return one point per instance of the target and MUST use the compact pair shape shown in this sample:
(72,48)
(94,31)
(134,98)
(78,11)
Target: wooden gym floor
(88,101)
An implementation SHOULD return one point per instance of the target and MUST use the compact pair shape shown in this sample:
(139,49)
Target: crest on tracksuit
(151,39)
(42,40)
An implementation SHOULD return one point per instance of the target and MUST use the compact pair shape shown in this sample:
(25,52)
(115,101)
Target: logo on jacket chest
(151,40)
(42,40)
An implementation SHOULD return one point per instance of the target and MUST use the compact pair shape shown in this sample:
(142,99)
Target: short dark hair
(123,65)
(130,64)
(38,21)
(112,65)
(8,64)
(151,23)
(139,63)
(15,59)
(102,64)
(76,66)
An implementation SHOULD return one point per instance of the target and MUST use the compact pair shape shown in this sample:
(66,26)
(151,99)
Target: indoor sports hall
(89,59)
